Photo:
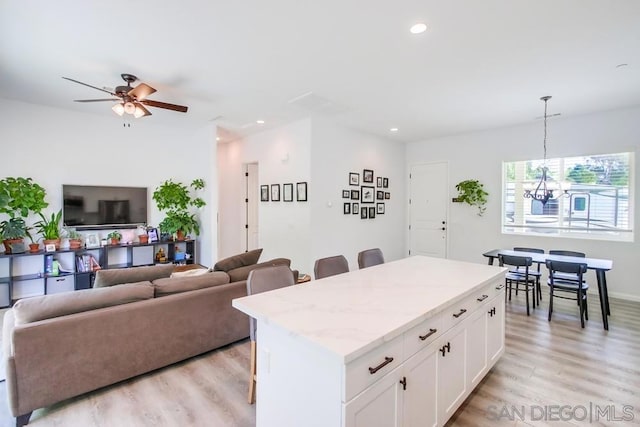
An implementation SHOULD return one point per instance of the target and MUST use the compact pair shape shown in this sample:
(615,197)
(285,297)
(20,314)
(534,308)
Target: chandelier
(544,189)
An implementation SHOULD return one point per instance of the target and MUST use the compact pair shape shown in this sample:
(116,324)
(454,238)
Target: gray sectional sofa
(134,321)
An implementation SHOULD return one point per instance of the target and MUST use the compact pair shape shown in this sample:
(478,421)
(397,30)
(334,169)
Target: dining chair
(535,273)
(263,280)
(370,257)
(568,286)
(523,280)
(575,254)
(330,266)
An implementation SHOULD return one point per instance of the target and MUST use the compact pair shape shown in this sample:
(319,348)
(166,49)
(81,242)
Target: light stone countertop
(351,313)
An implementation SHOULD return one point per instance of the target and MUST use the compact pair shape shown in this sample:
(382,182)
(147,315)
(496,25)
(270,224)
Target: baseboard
(626,297)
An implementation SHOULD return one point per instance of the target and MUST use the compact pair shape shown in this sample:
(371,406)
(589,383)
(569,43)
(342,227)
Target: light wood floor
(555,363)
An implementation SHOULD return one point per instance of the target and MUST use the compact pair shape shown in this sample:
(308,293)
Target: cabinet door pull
(387,360)
(403,381)
(500,286)
(482,298)
(428,334)
(492,312)
(460,313)
(445,349)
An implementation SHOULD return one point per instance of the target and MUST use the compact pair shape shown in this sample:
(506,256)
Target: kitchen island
(401,343)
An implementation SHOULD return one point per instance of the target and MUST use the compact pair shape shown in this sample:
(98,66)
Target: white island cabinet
(398,344)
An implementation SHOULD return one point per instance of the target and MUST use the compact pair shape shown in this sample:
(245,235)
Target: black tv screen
(89,206)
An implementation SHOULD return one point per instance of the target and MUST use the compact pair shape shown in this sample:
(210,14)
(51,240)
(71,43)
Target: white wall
(480,155)
(283,156)
(55,147)
(335,152)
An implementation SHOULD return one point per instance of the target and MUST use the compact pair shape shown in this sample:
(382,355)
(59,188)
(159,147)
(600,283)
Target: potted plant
(143,237)
(18,198)
(75,239)
(115,237)
(472,192)
(49,228)
(177,200)
(34,246)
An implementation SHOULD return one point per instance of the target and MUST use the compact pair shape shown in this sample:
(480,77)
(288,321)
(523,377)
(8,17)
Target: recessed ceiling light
(418,28)
(260,122)
(393,130)
(217,138)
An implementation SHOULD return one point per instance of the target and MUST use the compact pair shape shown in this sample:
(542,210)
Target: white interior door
(428,205)
(252,195)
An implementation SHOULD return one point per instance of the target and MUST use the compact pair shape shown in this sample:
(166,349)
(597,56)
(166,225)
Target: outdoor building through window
(592,197)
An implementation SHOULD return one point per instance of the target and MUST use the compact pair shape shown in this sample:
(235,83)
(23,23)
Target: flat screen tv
(92,207)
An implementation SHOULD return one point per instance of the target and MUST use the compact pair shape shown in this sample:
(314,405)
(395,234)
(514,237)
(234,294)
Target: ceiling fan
(131,100)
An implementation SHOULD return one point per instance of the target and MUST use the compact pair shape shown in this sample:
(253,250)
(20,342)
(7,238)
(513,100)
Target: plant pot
(115,241)
(75,243)
(52,242)
(7,244)
(34,247)
(179,235)
(143,238)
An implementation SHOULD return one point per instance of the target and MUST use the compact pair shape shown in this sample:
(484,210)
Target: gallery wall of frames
(366,195)
(284,192)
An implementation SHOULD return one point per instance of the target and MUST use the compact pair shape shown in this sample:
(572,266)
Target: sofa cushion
(242,273)
(175,285)
(240,260)
(118,276)
(191,273)
(43,307)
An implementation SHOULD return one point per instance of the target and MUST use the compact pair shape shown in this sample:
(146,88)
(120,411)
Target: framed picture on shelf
(367,194)
(367,175)
(379,182)
(92,240)
(387,196)
(380,208)
(385,182)
(153,235)
(301,191)
(379,195)
(372,212)
(355,210)
(264,193)
(275,192)
(346,209)
(346,194)
(355,194)
(354,178)
(363,213)
(287,192)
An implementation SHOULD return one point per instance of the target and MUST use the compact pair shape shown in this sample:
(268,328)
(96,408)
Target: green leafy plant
(18,198)
(179,201)
(472,192)
(49,227)
(14,228)
(114,235)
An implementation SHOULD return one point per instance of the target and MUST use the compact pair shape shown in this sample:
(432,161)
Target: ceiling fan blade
(159,104)
(84,84)
(141,91)
(96,100)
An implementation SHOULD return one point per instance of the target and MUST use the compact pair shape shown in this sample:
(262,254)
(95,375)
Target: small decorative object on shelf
(160,256)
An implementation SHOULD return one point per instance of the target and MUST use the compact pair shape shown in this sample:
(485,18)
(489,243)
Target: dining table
(600,266)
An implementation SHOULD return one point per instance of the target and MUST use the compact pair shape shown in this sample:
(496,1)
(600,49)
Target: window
(592,197)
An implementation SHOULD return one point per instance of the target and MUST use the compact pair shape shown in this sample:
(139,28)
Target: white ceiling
(481,64)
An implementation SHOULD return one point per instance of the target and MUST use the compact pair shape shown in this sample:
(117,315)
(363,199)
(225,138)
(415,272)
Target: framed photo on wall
(379,182)
(372,212)
(355,209)
(301,191)
(379,195)
(367,175)
(275,192)
(346,194)
(355,194)
(363,213)
(367,194)
(387,196)
(385,182)
(380,208)
(346,209)
(264,193)
(354,178)
(287,192)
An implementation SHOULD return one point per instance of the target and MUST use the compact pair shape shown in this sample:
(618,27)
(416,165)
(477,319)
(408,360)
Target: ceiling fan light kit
(131,100)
